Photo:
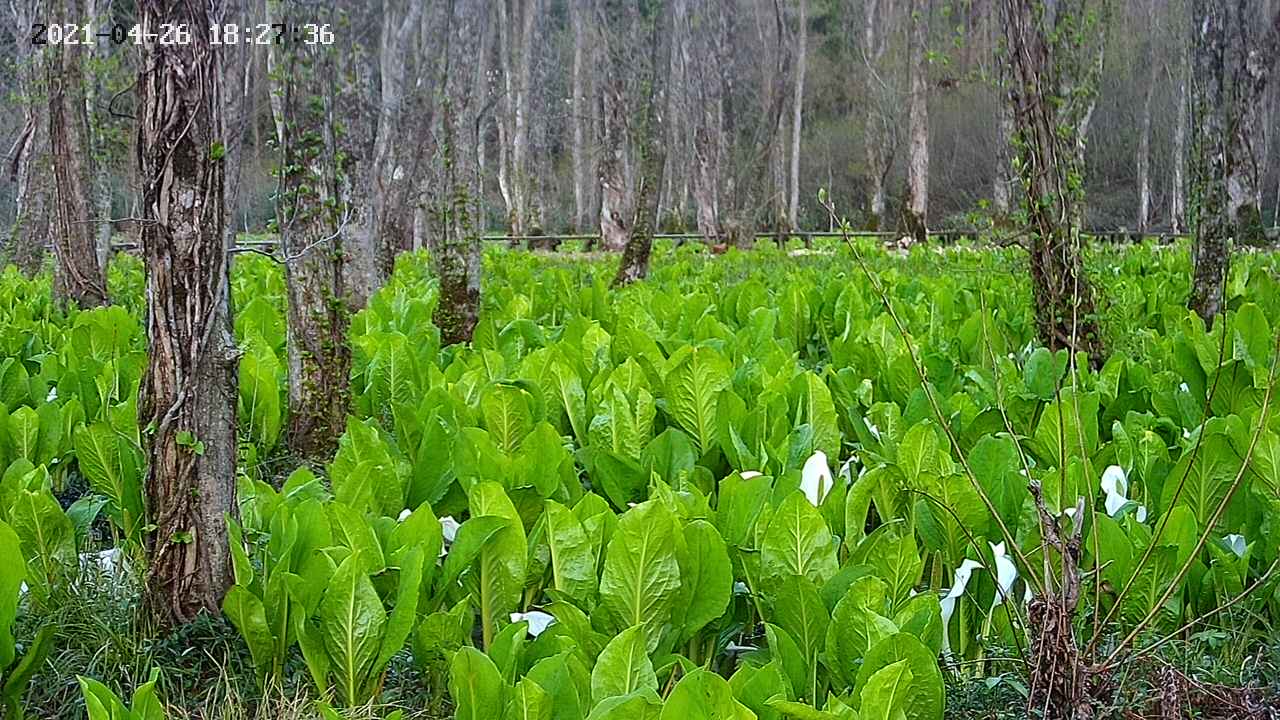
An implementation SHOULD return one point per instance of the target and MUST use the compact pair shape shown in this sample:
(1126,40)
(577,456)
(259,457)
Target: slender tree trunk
(457,259)
(103,181)
(577,15)
(1144,133)
(29,167)
(1228,83)
(78,275)
(1053,88)
(188,394)
(1178,204)
(802,52)
(917,210)
(651,141)
(878,133)
(705,101)
(615,201)
(309,210)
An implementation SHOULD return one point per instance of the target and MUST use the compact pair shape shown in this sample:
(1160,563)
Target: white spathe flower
(449,528)
(875,431)
(1183,387)
(1006,573)
(538,621)
(404,515)
(748,474)
(815,478)
(53,394)
(1115,485)
(740,588)
(961,579)
(1236,544)
(106,562)
(948,608)
(846,471)
(963,574)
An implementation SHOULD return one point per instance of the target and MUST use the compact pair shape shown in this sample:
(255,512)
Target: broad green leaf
(623,666)
(476,687)
(924,694)
(695,377)
(797,542)
(573,558)
(706,579)
(884,696)
(641,576)
(528,701)
(706,696)
(352,622)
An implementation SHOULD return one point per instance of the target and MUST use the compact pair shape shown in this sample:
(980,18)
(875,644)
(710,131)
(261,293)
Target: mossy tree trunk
(78,275)
(187,402)
(1053,89)
(310,212)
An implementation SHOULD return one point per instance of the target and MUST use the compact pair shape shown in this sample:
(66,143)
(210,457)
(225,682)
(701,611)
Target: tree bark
(616,209)
(879,135)
(1232,61)
(797,110)
(29,166)
(1144,131)
(1052,89)
(578,18)
(917,210)
(310,210)
(188,395)
(650,139)
(706,108)
(457,257)
(78,275)
(1178,202)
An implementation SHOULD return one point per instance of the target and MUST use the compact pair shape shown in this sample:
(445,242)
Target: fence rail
(265,245)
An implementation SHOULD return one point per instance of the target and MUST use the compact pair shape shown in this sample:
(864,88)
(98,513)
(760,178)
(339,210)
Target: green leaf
(507,415)
(703,695)
(797,542)
(641,572)
(694,378)
(476,687)
(502,559)
(112,470)
(623,666)
(706,579)
(923,695)
(573,557)
(884,696)
(246,613)
(352,623)
(528,701)
(48,541)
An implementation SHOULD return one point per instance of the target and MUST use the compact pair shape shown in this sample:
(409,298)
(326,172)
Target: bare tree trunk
(1144,133)
(879,136)
(615,198)
(578,17)
(802,53)
(705,102)
(1053,87)
(391,217)
(650,137)
(78,276)
(29,167)
(916,214)
(457,258)
(309,210)
(1002,191)
(188,394)
(1228,83)
(1178,204)
(100,11)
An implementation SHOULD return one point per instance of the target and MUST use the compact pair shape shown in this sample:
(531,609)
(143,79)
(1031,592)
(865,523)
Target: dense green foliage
(727,484)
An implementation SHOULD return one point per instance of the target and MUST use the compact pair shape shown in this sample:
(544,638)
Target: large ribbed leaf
(475,686)
(694,379)
(502,558)
(623,666)
(508,415)
(573,558)
(641,575)
(110,465)
(352,621)
(797,542)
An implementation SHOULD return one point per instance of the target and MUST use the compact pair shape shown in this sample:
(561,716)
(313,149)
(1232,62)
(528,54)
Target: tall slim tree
(28,166)
(916,213)
(455,207)
(643,45)
(1233,58)
(311,208)
(78,275)
(797,113)
(188,397)
(1053,90)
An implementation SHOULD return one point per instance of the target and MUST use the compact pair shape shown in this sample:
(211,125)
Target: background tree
(311,210)
(457,250)
(28,164)
(78,274)
(188,397)
(916,212)
(1233,56)
(1053,89)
